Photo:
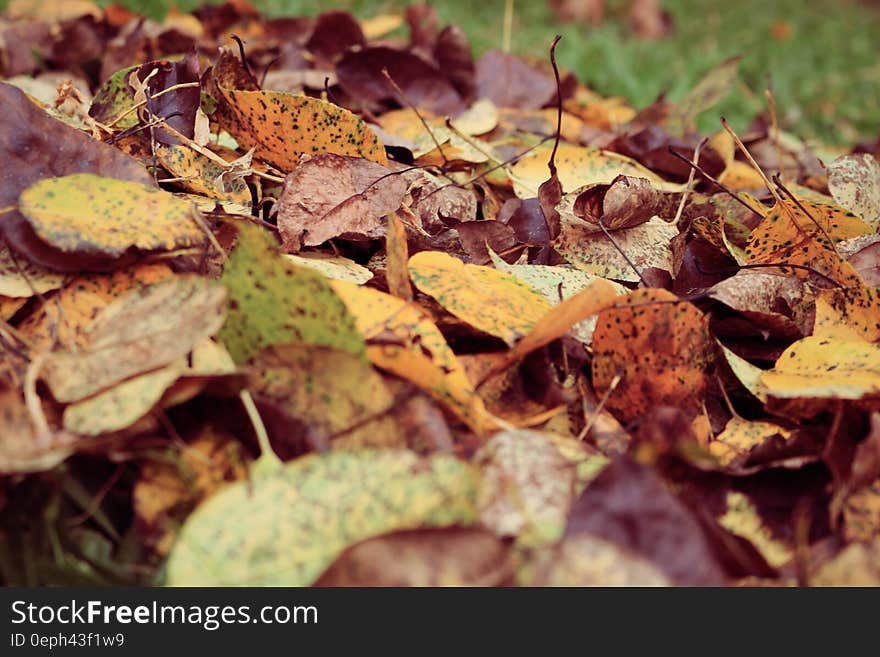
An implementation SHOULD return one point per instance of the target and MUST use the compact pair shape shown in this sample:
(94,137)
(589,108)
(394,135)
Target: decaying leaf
(854,182)
(293,523)
(167,491)
(628,505)
(450,556)
(338,395)
(647,245)
(331,196)
(577,166)
(281,127)
(403,341)
(260,282)
(527,486)
(22,447)
(489,300)
(141,331)
(585,560)
(20,278)
(658,347)
(95,216)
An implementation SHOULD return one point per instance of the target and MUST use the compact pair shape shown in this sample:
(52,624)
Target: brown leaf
(508,81)
(331,196)
(450,556)
(625,203)
(177,107)
(424,85)
(479,236)
(629,505)
(334,33)
(452,52)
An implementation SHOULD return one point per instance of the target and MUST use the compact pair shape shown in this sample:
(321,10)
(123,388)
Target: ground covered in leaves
(290,302)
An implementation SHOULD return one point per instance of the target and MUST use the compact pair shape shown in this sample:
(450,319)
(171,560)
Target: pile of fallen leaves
(297,302)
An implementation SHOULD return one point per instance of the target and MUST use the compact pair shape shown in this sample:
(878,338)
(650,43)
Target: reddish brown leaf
(331,196)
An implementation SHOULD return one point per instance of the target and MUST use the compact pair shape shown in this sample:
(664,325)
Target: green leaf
(272,301)
(286,527)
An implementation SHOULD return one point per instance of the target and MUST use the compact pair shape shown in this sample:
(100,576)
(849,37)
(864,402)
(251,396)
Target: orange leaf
(660,350)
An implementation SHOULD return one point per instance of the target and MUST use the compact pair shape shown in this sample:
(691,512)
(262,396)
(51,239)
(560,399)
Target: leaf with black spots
(261,283)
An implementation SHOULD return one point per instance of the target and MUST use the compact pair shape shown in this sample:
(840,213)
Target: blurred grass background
(823,56)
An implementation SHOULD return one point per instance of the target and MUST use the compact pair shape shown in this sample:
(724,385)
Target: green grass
(826,77)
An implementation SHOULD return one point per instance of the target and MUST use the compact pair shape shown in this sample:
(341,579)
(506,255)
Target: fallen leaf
(646,246)
(337,395)
(142,330)
(335,267)
(260,281)
(825,368)
(20,278)
(450,556)
(281,127)
(508,81)
(527,486)
(123,404)
(403,341)
(629,505)
(715,84)
(742,519)
(299,518)
(585,560)
(855,565)
(166,492)
(39,147)
(658,346)
(22,448)
(578,166)
(487,299)
(423,84)
(854,182)
(87,214)
(331,196)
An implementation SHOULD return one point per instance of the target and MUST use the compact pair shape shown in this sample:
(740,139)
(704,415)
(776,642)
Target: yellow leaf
(20,278)
(861,513)
(123,404)
(378,26)
(577,166)
(743,519)
(401,340)
(848,313)
(166,492)
(336,267)
(88,214)
(489,300)
(741,436)
(291,524)
(825,368)
(201,175)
